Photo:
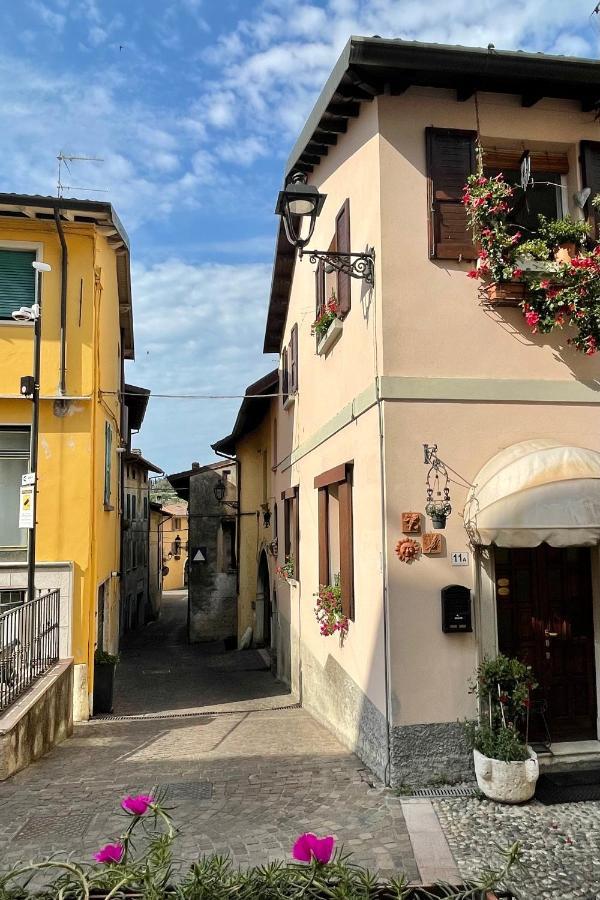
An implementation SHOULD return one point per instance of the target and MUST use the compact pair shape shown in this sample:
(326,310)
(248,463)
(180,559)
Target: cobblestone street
(246,781)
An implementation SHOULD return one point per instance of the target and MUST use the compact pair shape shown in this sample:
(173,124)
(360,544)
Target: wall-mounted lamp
(300,203)
(219,492)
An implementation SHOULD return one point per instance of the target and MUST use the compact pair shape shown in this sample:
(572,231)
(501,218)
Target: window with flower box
(291,529)
(333,289)
(336,551)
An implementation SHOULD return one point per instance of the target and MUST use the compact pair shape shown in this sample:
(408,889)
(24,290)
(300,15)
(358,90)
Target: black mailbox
(456,609)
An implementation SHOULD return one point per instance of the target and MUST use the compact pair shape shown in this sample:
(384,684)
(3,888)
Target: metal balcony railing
(29,634)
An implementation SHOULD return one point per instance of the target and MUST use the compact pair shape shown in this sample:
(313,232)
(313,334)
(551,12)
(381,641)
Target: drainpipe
(64,264)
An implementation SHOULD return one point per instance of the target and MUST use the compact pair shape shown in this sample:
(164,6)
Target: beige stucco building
(175,531)
(419,359)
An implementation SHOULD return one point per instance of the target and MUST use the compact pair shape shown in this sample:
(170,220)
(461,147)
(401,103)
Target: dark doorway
(545,618)
(263,603)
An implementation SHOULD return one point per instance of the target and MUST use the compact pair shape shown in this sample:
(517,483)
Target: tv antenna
(63,160)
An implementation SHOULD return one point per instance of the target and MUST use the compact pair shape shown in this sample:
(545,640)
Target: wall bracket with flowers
(328,325)
(553,276)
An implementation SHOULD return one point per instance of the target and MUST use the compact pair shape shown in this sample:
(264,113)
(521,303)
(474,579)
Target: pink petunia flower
(308,847)
(137,805)
(532,318)
(111,853)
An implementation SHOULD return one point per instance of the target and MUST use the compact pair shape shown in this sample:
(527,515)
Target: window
(228,544)
(544,196)
(177,524)
(133,506)
(11,598)
(590,176)
(291,528)
(128,505)
(17,280)
(336,556)
(14,462)
(108,436)
(145,507)
(293,359)
(274,446)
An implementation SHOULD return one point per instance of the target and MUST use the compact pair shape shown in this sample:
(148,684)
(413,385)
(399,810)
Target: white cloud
(199,329)
(47,15)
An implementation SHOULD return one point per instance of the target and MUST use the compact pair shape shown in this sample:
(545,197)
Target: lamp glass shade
(219,491)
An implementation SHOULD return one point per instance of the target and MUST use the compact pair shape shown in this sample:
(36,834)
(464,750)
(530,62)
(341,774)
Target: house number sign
(460,558)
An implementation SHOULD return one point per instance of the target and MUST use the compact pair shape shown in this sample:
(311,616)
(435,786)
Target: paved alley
(245,769)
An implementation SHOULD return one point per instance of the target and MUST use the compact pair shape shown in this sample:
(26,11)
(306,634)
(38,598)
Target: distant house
(136,608)
(175,546)
(211,493)
(155,557)
(253,444)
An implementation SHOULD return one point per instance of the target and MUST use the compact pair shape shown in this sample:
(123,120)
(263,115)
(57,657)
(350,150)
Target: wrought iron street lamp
(299,204)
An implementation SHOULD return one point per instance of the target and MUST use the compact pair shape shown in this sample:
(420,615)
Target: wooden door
(545,618)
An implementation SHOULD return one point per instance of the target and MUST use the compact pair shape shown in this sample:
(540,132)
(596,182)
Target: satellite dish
(581,197)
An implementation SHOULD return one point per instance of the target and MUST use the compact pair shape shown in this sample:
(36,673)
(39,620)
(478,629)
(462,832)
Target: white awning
(536,491)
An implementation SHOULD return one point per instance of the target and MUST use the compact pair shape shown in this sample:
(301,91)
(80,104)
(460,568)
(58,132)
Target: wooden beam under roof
(324,137)
(529,100)
(27,211)
(349,109)
(465,92)
(336,126)
(314,147)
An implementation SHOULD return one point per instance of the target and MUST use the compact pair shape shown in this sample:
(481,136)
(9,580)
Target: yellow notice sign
(26,505)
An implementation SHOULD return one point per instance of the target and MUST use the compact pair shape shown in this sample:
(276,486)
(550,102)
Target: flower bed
(316,871)
(552,294)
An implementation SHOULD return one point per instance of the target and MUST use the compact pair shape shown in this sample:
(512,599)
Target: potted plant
(287,569)
(329,610)
(565,236)
(327,323)
(534,256)
(505,766)
(438,510)
(105,665)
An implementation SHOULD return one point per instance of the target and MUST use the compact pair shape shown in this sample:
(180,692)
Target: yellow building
(87,333)
(175,546)
(253,443)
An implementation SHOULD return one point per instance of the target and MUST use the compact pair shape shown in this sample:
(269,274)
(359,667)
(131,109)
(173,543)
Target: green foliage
(503,686)
(536,247)
(563,231)
(501,743)
(150,875)
(101,657)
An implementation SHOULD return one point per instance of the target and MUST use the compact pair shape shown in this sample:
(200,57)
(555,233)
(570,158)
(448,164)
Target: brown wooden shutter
(284,375)
(293,360)
(296,502)
(346,545)
(590,177)
(450,160)
(342,242)
(323,537)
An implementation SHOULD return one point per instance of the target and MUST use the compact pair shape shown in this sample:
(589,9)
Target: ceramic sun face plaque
(411,523)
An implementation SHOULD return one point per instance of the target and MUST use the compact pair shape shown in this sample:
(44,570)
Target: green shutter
(17,280)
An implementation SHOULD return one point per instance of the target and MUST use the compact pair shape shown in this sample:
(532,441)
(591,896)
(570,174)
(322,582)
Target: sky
(193,106)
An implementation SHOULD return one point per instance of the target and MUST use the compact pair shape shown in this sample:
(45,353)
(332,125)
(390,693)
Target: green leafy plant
(315,873)
(328,314)
(287,569)
(503,687)
(536,247)
(101,657)
(563,231)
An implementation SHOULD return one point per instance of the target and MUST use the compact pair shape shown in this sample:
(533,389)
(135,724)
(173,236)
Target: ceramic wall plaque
(411,523)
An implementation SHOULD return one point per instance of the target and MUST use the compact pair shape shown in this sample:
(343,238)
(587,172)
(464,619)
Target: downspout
(64,265)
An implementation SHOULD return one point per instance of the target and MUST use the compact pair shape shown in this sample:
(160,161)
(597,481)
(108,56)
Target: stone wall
(212,583)
(425,755)
(40,719)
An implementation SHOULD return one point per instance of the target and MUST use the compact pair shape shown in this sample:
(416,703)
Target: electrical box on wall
(456,609)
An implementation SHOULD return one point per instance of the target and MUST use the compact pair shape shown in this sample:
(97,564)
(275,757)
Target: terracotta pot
(505,293)
(565,251)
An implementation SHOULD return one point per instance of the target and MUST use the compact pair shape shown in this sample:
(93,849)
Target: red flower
(532,318)
(472,273)
(517,273)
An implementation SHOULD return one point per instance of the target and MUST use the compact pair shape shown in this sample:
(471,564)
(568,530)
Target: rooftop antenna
(63,160)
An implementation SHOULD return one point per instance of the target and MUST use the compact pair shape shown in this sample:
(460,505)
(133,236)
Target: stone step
(571,756)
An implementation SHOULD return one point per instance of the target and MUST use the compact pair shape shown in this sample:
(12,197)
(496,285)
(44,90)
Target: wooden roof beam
(336,126)
(588,104)
(324,137)
(316,147)
(465,93)
(349,110)
(529,100)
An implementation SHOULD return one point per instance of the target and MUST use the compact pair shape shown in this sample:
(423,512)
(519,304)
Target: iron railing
(28,644)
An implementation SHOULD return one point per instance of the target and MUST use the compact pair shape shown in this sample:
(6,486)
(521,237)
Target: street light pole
(36,314)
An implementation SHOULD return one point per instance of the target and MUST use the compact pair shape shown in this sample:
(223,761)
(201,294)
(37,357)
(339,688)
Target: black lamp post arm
(357,265)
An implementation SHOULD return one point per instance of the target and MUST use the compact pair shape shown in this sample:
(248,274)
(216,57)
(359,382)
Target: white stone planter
(529,264)
(512,782)
(331,337)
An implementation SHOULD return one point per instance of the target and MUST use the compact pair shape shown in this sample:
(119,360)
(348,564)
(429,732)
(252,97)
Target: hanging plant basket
(438,521)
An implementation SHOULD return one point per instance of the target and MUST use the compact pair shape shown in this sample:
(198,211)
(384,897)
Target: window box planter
(505,293)
(331,337)
(530,264)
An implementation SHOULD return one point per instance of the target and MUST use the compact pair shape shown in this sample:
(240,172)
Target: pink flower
(137,805)
(111,853)
(308,847)
(517,273)
(532,318)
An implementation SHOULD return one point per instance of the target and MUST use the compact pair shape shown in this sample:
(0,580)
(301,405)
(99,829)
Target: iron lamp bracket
(357,265)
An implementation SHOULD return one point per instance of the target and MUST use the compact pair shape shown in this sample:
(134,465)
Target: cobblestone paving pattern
(561,843)
(246,783)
